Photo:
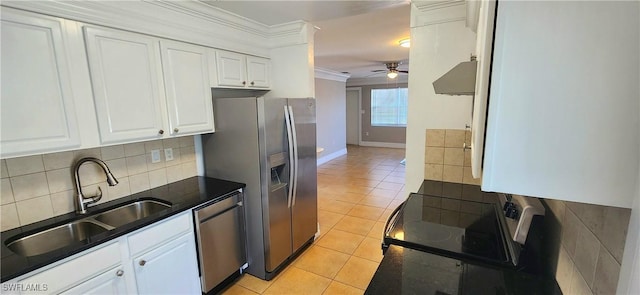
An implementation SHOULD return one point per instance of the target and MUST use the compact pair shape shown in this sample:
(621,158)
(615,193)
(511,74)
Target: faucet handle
(94,199)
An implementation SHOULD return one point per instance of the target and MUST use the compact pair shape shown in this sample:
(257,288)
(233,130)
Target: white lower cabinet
(169,269)
(158,259)
(109,282)
(78,271)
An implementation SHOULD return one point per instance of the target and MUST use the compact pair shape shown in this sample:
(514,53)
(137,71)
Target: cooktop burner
(450,227)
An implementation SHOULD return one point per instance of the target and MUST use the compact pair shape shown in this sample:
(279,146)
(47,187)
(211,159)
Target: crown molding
(292,33)
(187,21)
(426,13)
(201,10)
(327,74)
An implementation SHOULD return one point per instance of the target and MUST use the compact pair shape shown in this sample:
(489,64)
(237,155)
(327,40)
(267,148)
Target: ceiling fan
(392,70)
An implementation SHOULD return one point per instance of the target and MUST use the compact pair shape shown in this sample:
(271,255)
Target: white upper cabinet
(146,87)
(37,98)
(231,69)
(563,115)
(186,80)
(258,72)
(484,42)
(239,70)
(126,77)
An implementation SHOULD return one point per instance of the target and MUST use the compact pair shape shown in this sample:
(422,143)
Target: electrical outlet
(168,154)
(155,156)
(366,134)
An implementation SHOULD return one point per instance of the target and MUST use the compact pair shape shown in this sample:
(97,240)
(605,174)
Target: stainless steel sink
(130,212)
(61,236)
(55,238)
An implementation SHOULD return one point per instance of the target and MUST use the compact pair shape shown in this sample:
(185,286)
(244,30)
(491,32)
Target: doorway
(353,106)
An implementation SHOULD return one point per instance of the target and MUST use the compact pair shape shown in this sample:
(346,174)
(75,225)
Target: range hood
(461,80)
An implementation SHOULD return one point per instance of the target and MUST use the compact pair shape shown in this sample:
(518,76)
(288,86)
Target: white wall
(331,121)
(437,45)
(629,282)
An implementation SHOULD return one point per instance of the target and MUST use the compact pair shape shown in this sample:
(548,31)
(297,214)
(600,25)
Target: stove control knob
(507,206)
(512,212)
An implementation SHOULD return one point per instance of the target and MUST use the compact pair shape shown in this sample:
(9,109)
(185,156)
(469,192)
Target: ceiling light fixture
(405,43)
(392,74)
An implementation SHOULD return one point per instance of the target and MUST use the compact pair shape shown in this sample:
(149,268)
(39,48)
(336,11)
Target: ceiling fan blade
(379,71)
(406,72)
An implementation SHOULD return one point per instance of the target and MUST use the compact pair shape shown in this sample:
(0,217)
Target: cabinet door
(76,271)
(110,282)
(37,111)
(563,112)
(484,49)
(126,75)
(258,72)
(231,69)
(186,80)
(169,269)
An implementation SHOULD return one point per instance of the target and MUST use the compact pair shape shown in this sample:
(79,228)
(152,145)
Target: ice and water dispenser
(279,173)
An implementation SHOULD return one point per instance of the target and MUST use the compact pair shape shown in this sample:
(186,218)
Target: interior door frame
(359,90)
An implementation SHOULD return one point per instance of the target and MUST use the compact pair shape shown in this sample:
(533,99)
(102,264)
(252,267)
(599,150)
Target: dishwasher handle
(209,211)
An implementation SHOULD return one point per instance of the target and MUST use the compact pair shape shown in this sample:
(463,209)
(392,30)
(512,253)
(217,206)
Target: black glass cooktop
(450,227)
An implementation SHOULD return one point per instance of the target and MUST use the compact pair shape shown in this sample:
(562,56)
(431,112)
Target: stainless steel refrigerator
(269,144)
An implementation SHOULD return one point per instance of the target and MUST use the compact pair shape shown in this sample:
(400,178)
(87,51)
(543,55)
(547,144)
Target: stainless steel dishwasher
(221,240)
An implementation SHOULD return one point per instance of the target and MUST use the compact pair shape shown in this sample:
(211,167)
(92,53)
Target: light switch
(168,154)
(155,156)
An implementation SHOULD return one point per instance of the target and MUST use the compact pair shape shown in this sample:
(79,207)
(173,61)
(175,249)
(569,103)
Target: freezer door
(304,204)
(276,211)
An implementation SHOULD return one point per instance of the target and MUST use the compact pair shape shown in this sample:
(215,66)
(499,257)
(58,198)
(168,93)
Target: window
(389,107)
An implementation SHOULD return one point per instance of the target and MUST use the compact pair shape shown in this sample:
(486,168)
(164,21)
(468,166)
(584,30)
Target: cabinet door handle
(119,273)
(465,146)
(252,83)
(175,130)
(244,82)
(142,262)
(160,131)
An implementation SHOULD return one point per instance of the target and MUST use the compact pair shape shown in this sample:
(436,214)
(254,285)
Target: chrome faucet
(82,202)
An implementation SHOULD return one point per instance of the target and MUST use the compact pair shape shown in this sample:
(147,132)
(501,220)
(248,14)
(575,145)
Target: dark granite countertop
(407,271)
(469,192)
(183,195)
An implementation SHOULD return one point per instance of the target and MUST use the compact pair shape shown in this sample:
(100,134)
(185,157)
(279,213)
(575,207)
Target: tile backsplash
(588,246)
(445,157)
(38,187)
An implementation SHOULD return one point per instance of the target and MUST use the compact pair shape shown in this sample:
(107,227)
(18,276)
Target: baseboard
(331,156)
(392,145)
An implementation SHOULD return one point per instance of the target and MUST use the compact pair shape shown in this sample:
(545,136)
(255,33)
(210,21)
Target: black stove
(475,231)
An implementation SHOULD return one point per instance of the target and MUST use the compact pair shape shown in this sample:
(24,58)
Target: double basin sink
(51,239)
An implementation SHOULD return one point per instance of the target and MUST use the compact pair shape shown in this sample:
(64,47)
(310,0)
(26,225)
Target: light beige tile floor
(356,194)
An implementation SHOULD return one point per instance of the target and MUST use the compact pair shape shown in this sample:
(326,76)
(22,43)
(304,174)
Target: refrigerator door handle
(295,155)
(287,120)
